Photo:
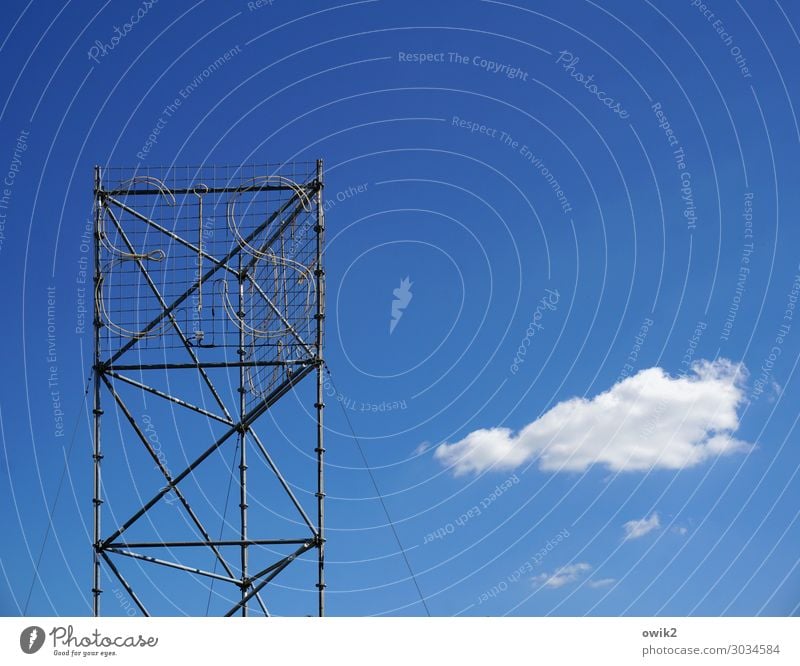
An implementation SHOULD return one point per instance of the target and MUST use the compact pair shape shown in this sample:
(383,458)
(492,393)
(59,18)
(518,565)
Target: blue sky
(587,198)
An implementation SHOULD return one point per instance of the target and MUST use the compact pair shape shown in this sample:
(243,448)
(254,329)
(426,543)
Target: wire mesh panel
(215,269)
(182,238)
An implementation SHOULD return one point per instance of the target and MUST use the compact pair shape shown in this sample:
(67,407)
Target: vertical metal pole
(97,456)
(242,444)
(199,255)
(320,405)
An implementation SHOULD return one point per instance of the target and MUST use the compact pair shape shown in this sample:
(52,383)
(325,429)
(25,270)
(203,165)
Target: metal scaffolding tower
(209,304)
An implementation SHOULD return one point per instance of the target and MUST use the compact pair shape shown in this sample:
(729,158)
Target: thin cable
(222,526)
(380,497)
(55,500)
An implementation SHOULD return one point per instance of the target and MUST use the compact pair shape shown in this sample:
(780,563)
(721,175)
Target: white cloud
(635,529)
(680,529)
(602,582)
(650,420)
(563,576)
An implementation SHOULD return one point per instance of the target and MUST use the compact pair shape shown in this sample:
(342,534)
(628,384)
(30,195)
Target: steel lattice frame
(244,298)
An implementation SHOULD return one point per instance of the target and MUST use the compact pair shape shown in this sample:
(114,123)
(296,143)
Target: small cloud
(635,529)
(602,582)
(775,391)
(680,530)
(648,421)
(422,448)
(563,576)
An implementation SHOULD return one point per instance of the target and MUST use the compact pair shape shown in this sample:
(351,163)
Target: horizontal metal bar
(208,364)
(311,187)
(169,397)
(182,544)
(172,565)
